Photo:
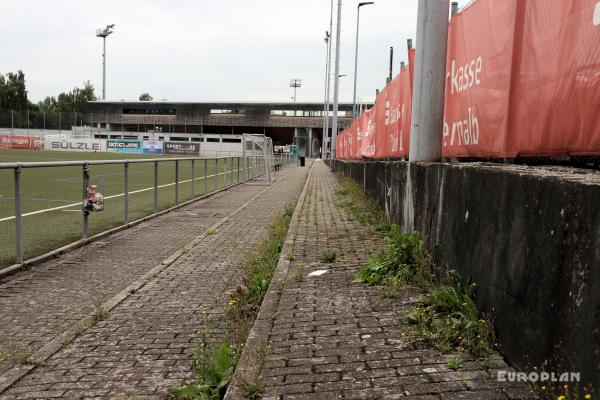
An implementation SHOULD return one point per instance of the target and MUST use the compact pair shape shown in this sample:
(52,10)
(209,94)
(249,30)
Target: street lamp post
(365,3)
(326,101)
(336,81)
(103,33)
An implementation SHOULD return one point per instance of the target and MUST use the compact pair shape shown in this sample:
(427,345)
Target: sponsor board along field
(46,191)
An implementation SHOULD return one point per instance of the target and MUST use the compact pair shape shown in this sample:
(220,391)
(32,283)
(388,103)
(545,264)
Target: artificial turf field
(50,187)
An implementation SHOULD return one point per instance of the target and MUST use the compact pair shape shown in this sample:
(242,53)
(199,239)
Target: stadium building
(285,123)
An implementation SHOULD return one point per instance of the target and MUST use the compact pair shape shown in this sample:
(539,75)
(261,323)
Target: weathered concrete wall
(530,239)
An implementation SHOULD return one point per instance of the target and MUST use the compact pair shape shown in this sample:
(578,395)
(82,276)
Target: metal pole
(238,170)
(231,170)
(155,187)
(126,191)
(224,172)
(205,176)
(336,80)
(177,182)
(429,81)
(253,159)
(325,100)
(216,173)
(326,133)
(244,157)
(104,68)
(86,181)
(355,63)
(193,180)
(18,225)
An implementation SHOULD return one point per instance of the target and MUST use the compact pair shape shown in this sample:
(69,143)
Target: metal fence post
(245,163)
(216,173)
(126,191)
(193,180)
(155,187)
(18,226)
(231,169)
(224,172)
(86,182)
(238,170)
(205,175)
(177,182)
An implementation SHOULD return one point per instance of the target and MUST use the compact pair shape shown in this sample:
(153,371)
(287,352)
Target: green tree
(145,97)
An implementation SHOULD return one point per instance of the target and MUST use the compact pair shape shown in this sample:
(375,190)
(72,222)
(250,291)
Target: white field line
(107,197)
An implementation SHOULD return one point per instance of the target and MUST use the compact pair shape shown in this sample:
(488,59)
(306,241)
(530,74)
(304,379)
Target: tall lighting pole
(326,101)
(103,33)
(295,83)
(365,3)
(336,80)
(328,84)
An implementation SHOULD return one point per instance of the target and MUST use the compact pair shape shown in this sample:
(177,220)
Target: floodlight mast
(103,33)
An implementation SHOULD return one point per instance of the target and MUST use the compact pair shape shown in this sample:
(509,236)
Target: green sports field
(57,193)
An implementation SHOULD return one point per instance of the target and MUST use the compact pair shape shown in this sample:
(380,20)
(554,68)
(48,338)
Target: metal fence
(233,170)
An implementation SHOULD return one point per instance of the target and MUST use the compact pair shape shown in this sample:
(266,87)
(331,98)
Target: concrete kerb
(12,376)
(249,365)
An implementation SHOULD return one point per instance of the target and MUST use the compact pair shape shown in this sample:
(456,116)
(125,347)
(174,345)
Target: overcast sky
(199,50)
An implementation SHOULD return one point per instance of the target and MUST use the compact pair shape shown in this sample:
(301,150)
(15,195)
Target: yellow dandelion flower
(588,396)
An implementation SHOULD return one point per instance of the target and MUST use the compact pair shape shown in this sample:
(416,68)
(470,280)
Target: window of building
(150,111)
(227,140)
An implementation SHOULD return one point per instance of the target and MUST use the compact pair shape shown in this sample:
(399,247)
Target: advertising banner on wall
(124,146)
(153,146)
(184,148)
(89,145)
(19,142)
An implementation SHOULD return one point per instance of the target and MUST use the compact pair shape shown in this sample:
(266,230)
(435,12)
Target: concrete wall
(530,239)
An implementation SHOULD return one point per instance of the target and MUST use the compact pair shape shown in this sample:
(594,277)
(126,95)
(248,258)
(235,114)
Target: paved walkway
(328,338)
(156,307)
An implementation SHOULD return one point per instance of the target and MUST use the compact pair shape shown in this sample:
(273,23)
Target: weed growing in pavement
(454,364)
(210,231)
(327,257)
(405,261)
(213,364)
(245,302)
(100,313)
(449,320)
(359,207)
(253,390)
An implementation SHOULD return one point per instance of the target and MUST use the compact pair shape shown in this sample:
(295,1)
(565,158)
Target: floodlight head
(365,3)
(296,83)
(106,31)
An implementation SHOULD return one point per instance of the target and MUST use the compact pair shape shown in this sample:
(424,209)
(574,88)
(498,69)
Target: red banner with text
(19,142)
(522,80)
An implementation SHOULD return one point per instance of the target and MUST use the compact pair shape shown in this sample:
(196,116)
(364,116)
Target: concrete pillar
(429,81)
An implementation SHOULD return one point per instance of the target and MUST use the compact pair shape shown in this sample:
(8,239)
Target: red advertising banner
(19,142)
(555,107)
(522,80)
(478,74)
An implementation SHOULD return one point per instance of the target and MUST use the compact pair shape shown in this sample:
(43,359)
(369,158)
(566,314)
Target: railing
(215,174)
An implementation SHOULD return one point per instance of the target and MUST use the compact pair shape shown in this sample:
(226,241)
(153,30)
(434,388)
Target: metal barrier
(236,169)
